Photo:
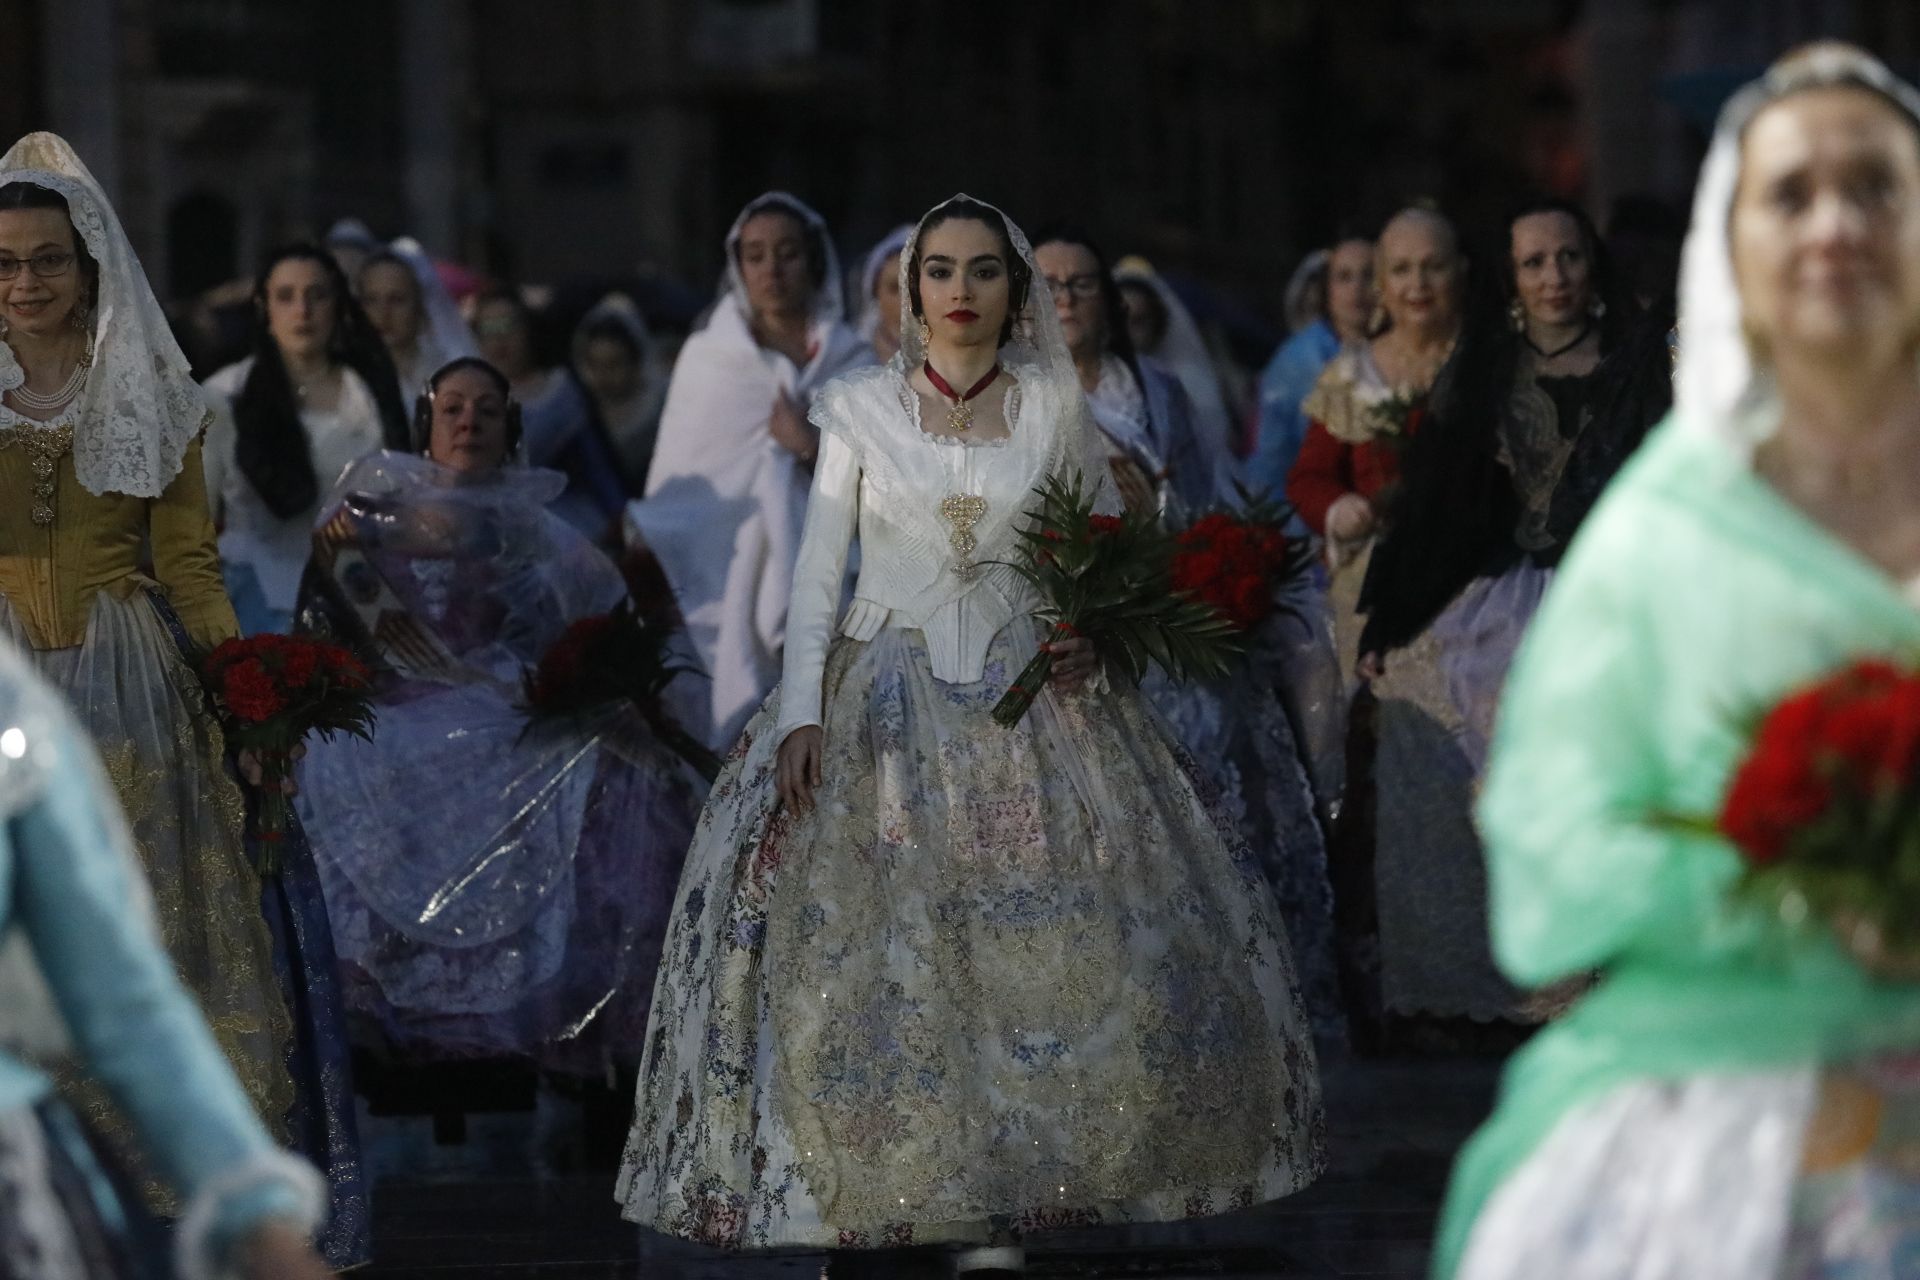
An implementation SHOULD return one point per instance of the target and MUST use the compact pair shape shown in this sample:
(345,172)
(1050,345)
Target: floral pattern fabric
(997,980)
(1239,740)
(1793,1174)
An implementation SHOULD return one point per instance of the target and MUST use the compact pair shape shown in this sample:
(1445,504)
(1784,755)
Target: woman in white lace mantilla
(100,468)
(930,980)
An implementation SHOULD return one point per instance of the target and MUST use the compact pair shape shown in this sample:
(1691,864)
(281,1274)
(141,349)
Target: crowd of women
(901,976)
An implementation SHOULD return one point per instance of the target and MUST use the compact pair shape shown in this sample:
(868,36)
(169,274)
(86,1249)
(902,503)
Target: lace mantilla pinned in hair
(1072,442)
(140,408)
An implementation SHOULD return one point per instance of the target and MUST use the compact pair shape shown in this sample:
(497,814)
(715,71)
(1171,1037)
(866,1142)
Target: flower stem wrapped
(270,692)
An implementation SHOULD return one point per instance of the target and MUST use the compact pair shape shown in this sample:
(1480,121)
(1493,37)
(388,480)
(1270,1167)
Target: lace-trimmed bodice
(918,500)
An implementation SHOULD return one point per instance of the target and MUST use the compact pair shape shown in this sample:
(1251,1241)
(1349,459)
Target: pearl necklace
(46,402)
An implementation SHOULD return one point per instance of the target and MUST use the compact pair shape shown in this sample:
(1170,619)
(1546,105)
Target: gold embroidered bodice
(60,545)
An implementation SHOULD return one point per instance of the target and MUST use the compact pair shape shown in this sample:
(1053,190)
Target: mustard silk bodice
(60,545)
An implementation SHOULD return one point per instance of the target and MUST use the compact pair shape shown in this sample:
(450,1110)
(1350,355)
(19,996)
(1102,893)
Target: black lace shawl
(1456,511)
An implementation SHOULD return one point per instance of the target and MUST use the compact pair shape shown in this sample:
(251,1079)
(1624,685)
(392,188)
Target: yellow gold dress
(78,597)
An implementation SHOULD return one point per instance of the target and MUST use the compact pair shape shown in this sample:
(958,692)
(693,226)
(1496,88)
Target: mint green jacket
(1694,598)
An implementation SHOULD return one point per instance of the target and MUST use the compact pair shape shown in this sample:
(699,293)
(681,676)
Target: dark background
(551,140)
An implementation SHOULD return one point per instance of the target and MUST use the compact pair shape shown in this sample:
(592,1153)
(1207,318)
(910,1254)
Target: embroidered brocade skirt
(139,700)
(499,887)
(253,955)
(1239,740)
(998,980)
(1799,1174)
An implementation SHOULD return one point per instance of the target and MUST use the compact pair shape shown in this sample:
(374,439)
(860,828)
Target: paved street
(1394,1127)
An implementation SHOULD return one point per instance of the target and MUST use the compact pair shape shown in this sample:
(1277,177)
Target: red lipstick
(962,316)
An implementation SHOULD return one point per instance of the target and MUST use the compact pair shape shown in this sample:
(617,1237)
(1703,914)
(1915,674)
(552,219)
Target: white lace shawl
(140,408)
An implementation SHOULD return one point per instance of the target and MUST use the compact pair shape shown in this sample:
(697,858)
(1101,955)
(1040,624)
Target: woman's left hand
(1073,661)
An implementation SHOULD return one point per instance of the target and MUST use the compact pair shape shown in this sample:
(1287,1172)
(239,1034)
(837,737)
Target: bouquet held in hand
(1238,561)
(270,692)
(1109,579)
(1825,812)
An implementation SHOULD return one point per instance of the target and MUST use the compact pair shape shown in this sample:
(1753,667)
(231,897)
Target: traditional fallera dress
(1493,494)
(1240,733)
(998,979)
(498,884)
(83,959)
(262,553)
(1737,1096)
(112,478)
(1428,880)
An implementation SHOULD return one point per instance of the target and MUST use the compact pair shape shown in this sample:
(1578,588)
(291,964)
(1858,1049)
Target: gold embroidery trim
(45,446)
(963,511)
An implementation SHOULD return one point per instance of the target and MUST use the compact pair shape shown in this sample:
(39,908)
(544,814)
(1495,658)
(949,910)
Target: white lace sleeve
(833,511)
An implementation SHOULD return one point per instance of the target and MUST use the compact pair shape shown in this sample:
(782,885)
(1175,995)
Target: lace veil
(1184,352)
(140,408)
(877,259)
(1037,340)
(446,329)
(1718,388)
(622,310)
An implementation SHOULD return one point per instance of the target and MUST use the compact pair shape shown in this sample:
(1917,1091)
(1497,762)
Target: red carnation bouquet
(1110,579)
(611,658)
(271,691)
(1237,561)
(1825,809)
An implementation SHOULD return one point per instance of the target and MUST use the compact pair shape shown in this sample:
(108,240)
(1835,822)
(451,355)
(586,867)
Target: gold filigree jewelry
(960,411)
(45,446)
(926,333)
(963,511)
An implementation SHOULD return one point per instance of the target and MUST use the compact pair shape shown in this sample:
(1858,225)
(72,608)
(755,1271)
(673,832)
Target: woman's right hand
(276,1251)
(797,768)
(1350,519)
(790,428)
(1135,486)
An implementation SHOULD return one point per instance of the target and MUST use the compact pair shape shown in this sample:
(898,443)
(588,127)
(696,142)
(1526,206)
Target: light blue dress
(77,924)
(1284,385)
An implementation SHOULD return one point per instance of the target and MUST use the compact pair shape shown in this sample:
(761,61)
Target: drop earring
(1516,316)
(926,332)
(1597,308)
